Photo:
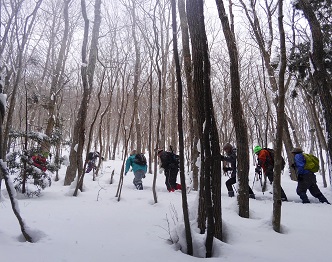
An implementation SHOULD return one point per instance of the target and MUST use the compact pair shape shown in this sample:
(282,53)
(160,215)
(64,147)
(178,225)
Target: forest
(112,76)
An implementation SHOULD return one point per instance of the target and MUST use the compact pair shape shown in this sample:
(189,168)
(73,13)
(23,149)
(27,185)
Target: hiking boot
(252,196)
(305,201)
(139,187)
(178,187)
(323,199)
(230,193)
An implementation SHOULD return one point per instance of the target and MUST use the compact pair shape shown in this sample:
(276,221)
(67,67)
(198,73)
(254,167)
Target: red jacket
(264,159)
(40,162)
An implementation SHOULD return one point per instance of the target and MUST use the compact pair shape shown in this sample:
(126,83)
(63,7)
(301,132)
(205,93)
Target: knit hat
(227,147)
(257,149)
(297,150)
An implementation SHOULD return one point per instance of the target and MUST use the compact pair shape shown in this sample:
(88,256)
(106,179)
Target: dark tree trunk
(193,136)
(237,114)
(210,154)
(180,129)
(280,123)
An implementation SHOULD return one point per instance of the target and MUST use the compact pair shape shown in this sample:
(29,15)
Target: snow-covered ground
(95,226)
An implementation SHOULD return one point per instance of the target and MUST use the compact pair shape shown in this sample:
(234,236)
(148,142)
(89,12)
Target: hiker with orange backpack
(265,161)
(306,179)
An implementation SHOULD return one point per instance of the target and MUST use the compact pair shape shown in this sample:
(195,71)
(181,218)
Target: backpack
(311,163)
(173,159)
(140,159)
(91,155)
(271,152)
(170,159)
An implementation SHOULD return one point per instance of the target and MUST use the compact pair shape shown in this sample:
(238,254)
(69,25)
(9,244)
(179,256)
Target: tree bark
(237,114)
(180,132)
(280,122)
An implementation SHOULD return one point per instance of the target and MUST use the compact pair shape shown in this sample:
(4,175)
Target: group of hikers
(306,178)
(169,165)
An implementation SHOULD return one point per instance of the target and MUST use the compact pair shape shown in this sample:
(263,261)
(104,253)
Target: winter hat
(297,150)
(257,149)
(227,147)
(133,152)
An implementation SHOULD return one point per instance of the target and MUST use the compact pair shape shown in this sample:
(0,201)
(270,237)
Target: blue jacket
(300,163)
(131,162)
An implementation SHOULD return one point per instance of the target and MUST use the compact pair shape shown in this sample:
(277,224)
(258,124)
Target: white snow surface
(95,226)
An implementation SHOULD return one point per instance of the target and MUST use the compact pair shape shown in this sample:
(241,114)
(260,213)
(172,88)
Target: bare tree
(280,122)
(191,102)
(180,131)
(237,114)
(87,74)
(56,77)
(210,189)
(28,26)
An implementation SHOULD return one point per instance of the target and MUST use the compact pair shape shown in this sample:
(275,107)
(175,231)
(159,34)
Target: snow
(94,226)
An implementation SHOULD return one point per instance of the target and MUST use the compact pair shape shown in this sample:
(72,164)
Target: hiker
(169,164)
(265,161)
(92,157)
(306,179)
(139,168)
(39,160)
(231,158)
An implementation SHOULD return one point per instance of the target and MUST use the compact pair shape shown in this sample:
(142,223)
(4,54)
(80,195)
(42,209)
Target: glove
(143,176)
(258,169)
(226,169)
(161,170)
(222,158)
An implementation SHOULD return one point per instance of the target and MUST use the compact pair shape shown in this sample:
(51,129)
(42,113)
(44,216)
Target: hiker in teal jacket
(139,170)
(306,180)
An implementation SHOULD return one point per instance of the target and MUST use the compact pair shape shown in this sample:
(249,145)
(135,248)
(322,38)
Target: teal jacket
(131,162)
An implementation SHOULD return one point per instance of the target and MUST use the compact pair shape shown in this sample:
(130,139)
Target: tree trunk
(280,123)
(87,74)
(210,155)
(29,23)
(56,79)
(191,102)
(180,129)
(237,114)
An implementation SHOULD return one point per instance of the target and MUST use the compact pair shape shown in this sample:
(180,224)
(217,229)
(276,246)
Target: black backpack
(91,155)
(271,152)
(140,159)
(173,159)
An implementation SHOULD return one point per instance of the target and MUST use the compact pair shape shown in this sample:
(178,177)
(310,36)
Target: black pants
(171,174)
(308,182)
(230,182)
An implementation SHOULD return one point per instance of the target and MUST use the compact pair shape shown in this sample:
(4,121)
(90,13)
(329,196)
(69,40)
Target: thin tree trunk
(55,84)
(237,114)
(180,129)
(191,102)
(280,122)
